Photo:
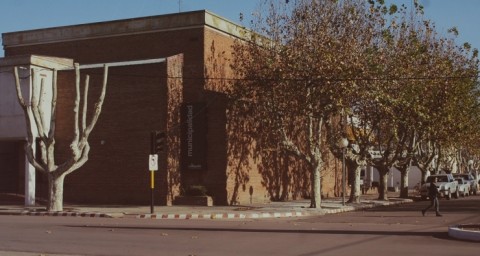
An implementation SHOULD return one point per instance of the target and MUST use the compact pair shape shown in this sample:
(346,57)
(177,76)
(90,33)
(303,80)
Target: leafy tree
(301,74)
(453,102)
(365,71)
(417,104)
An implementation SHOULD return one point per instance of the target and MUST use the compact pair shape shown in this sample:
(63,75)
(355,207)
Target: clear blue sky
(18,15)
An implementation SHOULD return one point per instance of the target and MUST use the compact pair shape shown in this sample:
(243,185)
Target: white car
(463,187)
(446,184)
(470,180)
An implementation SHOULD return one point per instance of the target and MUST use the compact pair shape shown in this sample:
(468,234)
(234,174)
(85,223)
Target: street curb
(260,215)
(369,205)
(68,214)
(458,232)
(304,212)
(188,216)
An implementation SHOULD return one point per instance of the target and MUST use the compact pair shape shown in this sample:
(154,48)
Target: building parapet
(168,22)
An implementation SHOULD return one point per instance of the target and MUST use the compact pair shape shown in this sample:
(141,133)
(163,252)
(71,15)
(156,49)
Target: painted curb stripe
(220,215)
(67,214)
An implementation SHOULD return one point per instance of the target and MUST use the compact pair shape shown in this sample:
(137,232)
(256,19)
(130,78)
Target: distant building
(177,96)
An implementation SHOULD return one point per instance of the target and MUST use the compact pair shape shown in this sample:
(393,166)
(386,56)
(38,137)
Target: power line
(326,79)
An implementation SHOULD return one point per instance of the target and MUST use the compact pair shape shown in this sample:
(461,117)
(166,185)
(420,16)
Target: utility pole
(179,5)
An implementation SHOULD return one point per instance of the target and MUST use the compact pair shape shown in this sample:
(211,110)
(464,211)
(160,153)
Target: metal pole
(152,180)
(152,186)
(343,176)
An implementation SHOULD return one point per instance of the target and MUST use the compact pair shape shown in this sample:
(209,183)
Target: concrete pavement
(296,208)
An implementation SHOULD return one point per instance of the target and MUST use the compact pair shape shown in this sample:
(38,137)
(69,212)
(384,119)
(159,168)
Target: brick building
(176,95)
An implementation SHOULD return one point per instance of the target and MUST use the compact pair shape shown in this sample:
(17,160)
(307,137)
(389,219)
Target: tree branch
(76,131)
(99,104)
(35,102)
(85,103)
(53,118)
(29,148)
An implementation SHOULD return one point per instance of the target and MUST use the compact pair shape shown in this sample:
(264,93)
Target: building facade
(184,96)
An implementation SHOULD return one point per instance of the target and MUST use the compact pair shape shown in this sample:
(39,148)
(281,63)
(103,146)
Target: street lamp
(343,144)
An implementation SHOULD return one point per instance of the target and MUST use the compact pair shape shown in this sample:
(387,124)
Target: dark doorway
(10,172)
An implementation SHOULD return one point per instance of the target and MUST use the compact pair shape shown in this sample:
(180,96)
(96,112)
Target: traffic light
(158,141)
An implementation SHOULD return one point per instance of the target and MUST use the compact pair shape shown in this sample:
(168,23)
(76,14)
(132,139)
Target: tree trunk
(285,180)
(355,191)
(424,176)
(383,188)
(316,198)
(423,171)
(55,192)
(404,182)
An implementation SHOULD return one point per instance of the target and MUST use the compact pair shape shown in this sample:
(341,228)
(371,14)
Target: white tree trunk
(55,193)
(355,191)
(313,158)
(404,183)
(383,186)
(316,199)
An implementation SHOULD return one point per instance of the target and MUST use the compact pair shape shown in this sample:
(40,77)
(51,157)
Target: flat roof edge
(37,60)
(167,22)
(226,26)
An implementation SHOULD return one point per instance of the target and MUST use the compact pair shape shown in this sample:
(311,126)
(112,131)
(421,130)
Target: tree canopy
(379,74)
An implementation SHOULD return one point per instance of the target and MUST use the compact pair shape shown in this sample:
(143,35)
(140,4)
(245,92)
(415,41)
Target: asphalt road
(393,230)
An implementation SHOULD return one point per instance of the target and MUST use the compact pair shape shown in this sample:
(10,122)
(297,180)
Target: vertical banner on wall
(194,136)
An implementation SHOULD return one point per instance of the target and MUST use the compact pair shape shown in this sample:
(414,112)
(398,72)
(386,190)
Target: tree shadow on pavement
(284,231)
(453,206)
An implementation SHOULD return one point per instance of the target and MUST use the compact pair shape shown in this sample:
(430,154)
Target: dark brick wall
(236,184)
(117,170)
(138,100)
(135,104)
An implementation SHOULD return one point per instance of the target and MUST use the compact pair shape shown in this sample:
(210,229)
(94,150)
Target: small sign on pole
(152,166)
(153,162)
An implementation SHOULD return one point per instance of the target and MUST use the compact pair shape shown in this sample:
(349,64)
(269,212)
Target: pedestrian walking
(433,195)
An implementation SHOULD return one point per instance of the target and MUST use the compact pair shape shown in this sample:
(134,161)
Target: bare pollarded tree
(36,115)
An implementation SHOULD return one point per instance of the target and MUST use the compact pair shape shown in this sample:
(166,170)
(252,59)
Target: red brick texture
(143,98)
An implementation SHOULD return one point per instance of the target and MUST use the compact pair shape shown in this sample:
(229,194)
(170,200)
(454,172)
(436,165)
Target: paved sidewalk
(297,208)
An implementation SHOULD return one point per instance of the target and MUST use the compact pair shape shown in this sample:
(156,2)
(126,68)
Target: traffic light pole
(152,180)
(152,187)
(157,144)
